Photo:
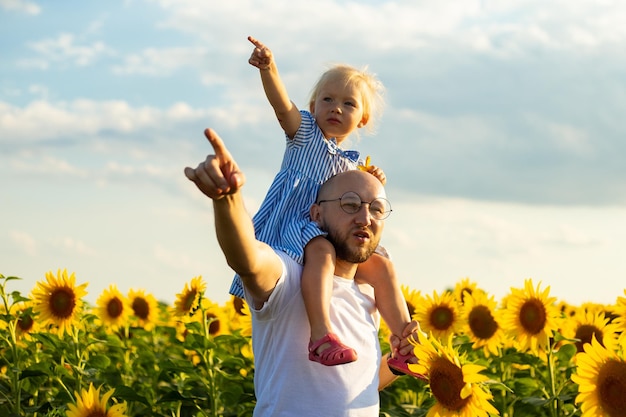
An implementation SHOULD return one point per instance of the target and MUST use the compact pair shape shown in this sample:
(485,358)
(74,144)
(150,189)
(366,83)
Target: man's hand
(219,174)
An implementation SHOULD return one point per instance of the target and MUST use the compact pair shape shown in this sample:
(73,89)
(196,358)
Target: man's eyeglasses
(351,203)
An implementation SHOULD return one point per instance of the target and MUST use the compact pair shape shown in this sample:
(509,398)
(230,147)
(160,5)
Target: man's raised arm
(219,178)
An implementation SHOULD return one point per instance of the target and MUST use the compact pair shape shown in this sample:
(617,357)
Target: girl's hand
(378,173)
(374,170)
(261,55)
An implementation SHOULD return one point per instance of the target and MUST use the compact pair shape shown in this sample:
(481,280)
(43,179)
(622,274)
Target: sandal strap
(337,353)
(327,338)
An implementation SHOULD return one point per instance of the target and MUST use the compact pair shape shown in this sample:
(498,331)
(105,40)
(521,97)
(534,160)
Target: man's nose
(363,216)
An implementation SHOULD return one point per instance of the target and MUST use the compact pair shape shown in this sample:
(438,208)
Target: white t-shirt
(286,382)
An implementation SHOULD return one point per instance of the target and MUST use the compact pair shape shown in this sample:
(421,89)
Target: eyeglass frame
(384,214)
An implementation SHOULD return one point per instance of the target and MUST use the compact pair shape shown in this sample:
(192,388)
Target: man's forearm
(256,263)
(235,233)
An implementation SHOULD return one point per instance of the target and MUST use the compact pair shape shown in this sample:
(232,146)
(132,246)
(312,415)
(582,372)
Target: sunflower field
(528,354)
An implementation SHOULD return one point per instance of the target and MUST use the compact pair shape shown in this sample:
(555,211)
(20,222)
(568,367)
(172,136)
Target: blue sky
(502,137)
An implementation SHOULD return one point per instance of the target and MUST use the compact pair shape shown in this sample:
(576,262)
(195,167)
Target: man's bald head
(352,180)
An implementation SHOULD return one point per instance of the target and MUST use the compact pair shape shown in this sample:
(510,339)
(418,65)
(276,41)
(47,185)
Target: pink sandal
(400,365)
(336,354)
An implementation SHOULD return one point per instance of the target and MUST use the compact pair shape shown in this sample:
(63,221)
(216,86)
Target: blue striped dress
(283,220)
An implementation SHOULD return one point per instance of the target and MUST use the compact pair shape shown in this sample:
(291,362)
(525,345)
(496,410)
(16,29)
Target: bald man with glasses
(351,208)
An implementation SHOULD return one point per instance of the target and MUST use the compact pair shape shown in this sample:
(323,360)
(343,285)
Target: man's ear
(315,214)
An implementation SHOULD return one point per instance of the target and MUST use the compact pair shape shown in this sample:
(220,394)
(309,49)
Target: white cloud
(40,91)
(434,242)
(30,163)
(160,62)
(503,28)
(72,246)
(64,49)
(23,6)
(25,242)
(44,119)
(173,259)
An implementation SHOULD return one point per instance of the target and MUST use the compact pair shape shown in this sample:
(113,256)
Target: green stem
(60,381)
(554,403)
(505,373)
(15,375)
(80,363)
(208,358)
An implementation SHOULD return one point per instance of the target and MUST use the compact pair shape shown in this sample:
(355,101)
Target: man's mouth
(361,235)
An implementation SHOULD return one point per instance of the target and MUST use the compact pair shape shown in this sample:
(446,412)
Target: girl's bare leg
(317,285)
(379,272)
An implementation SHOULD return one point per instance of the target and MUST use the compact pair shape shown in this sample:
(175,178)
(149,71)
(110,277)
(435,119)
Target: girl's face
(338,109)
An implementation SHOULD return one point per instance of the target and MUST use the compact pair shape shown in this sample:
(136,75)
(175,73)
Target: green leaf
(30,373)
(11,278)
(99,362)
(128,394)
(17,296)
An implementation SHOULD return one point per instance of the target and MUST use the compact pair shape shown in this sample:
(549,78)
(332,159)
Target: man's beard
(348,254)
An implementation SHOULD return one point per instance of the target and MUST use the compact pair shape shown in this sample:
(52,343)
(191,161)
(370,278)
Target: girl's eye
(327,99)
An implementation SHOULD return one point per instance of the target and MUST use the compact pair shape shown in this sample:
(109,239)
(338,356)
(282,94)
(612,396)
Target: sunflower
(463,288)
(585,325)
(216,317)
(567,310)
(26,322)
(439,315)
(413,298)
(90,404)
(458,389)
(239,317)
(112,308)
(21,319)
(145,308)
(601,379)
(58,301)
(531,317)
(481,321)
(620,317)
(188,301)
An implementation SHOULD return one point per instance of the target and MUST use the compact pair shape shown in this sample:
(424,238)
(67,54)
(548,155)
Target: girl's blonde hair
(371,88)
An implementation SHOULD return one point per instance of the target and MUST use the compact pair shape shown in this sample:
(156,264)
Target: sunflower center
(463,295)
(115,308)
(62,302)
(585,333)
(25,323)
(141,308)
(533,316)
(411,308)
(611,388)
(189,299)
(446,383)
(482,322)
(441,317)
(95,413)
(238,305)
(214,327)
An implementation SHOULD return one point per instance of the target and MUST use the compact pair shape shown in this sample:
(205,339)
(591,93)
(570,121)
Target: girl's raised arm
(287,113)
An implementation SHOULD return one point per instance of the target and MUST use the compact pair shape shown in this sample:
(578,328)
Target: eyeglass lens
(351,203)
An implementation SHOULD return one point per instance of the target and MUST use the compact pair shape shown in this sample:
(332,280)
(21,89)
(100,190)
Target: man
(286,382)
